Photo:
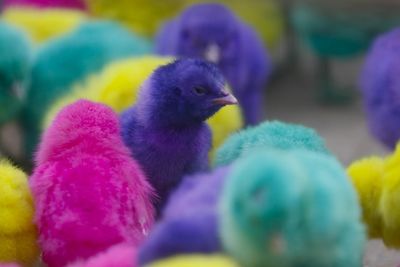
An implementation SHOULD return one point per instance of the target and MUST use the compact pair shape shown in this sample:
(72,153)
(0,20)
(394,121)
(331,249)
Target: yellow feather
(43,24)
(118,85)
(18,234)
(195,261)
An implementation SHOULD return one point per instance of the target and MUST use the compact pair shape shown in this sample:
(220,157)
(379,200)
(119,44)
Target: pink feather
(76,4)
(122,255)
(89,193)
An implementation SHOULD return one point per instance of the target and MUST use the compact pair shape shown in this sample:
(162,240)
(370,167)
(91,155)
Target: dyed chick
(67,60)
(377,182)
(189,221)
(165,129)
(118,84)
(89,193)
(121,255)
(15,61)
(18,234)
(291,208)
(195,261)
(214,33)
(380,87)
(270,134)
(43,24)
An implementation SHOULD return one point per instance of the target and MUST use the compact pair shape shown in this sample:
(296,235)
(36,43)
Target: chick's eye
(199,90)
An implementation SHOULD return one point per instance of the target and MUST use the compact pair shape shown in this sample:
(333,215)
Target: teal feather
(67,60)
(15,60)
(273,134)
(291,208)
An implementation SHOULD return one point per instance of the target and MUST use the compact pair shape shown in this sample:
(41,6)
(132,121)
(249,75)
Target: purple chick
(189,223)
(214,33)
(380,86)
(165,130)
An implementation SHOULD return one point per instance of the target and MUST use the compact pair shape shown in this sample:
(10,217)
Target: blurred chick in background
(189,221)
(76,4)
(89,193)
(291,208)
(166,130)
(18,234)
(43,24)
(340,30)
(69,59)
(380,88)
(121,255)
(268,135)
(15,64)
(377,181)
(118,85)
(195,261)
(212,32)
(147,16)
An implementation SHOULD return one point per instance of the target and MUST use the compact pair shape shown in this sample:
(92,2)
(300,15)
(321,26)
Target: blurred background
(316,48)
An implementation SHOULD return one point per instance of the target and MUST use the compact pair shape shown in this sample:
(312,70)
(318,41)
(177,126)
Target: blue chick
(165,130)
(189,221)
(66,60)
(212,32)
(291,208)
(270,134)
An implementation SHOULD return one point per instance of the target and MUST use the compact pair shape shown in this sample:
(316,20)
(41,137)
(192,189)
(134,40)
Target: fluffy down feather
(291,208)
(89,193)
(18,234)
(189,221)
(377,181)
(270,134)
(196,261)
(380,87)
(121,255)
(69,59)
(43,24)
(118,84)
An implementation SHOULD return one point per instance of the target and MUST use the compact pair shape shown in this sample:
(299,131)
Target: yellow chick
(43,24)
(118,84)
(377,181)
(195,261)
(18,234)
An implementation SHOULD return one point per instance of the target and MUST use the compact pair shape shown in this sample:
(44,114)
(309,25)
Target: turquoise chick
(270,134)
(68,59)
(340,30)
(15,60)
(291,208)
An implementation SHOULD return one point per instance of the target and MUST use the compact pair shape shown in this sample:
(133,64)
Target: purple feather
(165,130)
(380,86)
(214,33)
(189,223)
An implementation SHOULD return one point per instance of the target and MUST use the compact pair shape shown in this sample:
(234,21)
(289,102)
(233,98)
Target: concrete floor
(292,99)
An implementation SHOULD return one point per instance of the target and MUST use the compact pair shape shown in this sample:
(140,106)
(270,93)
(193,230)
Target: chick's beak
(229,99)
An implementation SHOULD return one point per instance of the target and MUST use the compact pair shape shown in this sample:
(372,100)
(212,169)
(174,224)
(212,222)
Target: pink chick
(121,255)
(89,193)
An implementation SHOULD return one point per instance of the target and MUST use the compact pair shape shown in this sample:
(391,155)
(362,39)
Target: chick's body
(189,221)
(291,208)
(88,191)
(196,260)
(18,234)
(377,182)
(165,129)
